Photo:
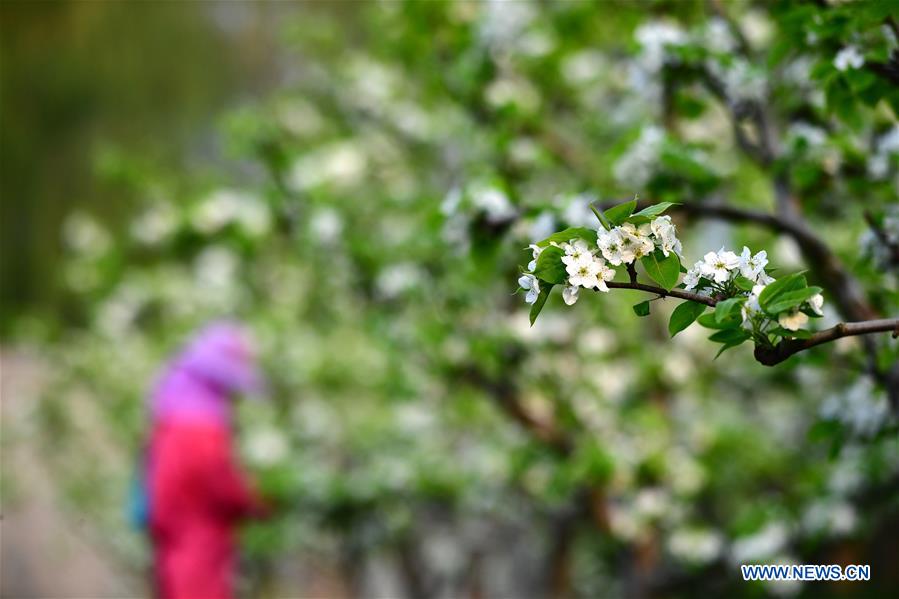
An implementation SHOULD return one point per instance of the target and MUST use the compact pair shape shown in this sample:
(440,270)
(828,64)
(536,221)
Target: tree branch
(678,293)
(847,293)
(769,356)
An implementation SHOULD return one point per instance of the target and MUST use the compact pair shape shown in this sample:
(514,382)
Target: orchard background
(360,182)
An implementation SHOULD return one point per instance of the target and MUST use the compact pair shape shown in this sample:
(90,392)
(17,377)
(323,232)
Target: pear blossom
(605,274)
(848,57)
(691,279)
(666,235)
(717,265)
(751,307)
(816,303)
(609,243)
(575,251)
(529,283)
(584,273)
(569,294)
(752,266)
(792,321)
(635,241)
(535,251)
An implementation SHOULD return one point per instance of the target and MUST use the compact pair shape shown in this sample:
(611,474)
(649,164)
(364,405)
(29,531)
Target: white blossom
(584,272)
(691,278)
(718,265)
(535,253)
(609,243)
(570,293)
(752,266)
(848,57)
(635,242)
(816,303)
(529,283)
(666,235)
(792,320)
(575,251)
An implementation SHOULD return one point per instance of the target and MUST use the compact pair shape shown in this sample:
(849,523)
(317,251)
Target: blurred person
(195,493)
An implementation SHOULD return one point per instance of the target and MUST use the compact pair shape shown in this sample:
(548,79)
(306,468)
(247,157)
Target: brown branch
(678,293)
(847,293)
(769,356)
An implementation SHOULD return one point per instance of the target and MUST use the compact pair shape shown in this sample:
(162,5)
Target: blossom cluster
(626,243)
(717,271)
(588,268)
(748,302)
(585,268)
(724,273)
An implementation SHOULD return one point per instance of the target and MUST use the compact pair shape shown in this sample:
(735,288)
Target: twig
(769,356)
(678,293)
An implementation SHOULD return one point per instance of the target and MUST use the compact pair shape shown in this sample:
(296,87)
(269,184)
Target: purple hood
(217,362)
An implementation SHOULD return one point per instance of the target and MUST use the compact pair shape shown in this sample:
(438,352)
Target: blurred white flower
(762,545)
(814,136)
(326,225)
(695,545)
(494,202)
(155,224)
(570,294)
(84,235)
(654,38)
(848,57)
(832,517)
(396,279)
(637,165)
(718,37)
(503,22)
(266,446)
(507,91)
(216,267)
(342,164)
(583,66)
(226,206)
(859,407)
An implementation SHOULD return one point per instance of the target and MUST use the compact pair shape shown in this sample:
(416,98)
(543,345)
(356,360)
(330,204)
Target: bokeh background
(358,182)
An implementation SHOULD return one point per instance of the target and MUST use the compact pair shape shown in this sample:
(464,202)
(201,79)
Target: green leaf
(601,217)
(684,315)
(780,286)
(729,338)
(782,332)
(642,309)
(743,283)
(709,322)
(663,270)
(727,308)
(588,235)
(618,214)
(791,299)
(549,266)
(541,301)
(649,213)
